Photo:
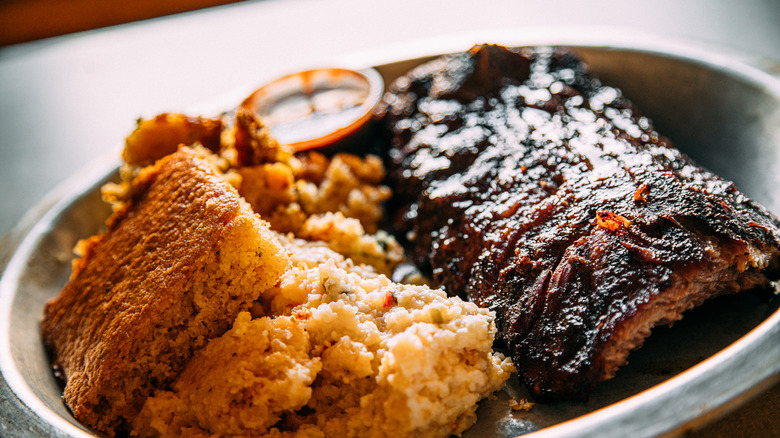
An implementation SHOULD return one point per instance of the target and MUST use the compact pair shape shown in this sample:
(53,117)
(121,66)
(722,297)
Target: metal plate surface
(721,111)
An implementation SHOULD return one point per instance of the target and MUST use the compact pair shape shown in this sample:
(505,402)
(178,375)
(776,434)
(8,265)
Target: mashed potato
(339,351)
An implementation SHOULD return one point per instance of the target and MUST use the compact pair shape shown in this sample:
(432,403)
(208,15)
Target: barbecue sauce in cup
(317,108)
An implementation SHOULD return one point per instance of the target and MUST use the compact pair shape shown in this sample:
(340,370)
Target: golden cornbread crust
(155,138)
(179,261)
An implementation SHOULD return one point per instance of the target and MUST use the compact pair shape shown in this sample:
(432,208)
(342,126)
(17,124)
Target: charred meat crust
(529,187)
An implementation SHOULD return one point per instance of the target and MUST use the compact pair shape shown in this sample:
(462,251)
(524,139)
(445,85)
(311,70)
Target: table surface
(68,101)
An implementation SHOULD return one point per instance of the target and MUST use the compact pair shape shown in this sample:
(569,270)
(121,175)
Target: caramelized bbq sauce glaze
(530,188)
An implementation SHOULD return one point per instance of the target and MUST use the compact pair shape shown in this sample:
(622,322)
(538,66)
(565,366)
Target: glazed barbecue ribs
(530,188)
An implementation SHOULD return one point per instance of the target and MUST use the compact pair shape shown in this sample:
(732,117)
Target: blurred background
(28,20)
(76,74)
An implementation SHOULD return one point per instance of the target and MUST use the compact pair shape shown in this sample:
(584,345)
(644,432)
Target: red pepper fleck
(303,314)
(389,300)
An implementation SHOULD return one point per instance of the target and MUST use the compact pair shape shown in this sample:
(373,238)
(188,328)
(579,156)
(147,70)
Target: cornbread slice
(177,264)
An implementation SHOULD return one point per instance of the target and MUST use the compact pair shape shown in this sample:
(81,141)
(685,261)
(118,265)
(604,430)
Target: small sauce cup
(317,108)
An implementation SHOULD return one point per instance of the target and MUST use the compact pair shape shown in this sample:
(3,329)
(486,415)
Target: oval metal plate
(721,111)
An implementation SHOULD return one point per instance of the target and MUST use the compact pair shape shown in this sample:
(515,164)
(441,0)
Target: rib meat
(530,188)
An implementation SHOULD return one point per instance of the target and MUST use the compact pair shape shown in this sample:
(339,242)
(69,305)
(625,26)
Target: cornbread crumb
(520,405)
